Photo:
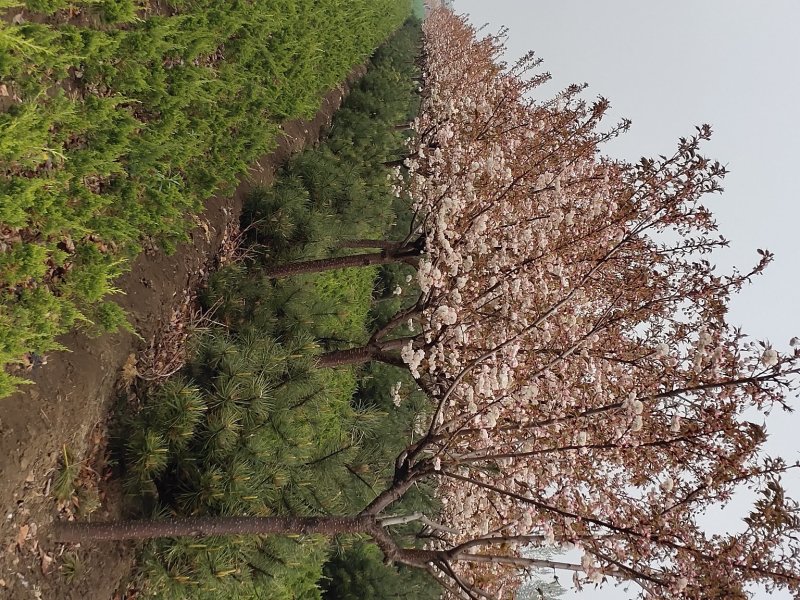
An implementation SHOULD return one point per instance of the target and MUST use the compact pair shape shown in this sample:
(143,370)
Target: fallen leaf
(22,534)
(69,245)
(47,561)
(129,371)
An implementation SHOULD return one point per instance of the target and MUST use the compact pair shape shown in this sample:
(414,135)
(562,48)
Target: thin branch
(519,561)
(390,520)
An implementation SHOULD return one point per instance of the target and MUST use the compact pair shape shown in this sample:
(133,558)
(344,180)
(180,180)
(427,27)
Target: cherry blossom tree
(586,389)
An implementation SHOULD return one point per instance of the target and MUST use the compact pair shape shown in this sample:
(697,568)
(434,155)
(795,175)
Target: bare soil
(71,395)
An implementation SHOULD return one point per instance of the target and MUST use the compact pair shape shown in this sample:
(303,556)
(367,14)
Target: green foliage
(21,263)
(30,323)
(360,574)
(117,11)
(110,316)
(340,190)
(241,439)
(109,134)
(111,11)
(252,426)
(335,192)
(256,430)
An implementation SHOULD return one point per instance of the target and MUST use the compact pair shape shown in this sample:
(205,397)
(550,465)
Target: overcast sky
(669,66)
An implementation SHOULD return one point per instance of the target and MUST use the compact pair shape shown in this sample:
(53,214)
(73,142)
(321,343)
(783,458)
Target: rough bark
(384,257)
(204,526)
(356,356)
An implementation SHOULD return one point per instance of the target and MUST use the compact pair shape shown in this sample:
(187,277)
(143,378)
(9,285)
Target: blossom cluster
(590,391)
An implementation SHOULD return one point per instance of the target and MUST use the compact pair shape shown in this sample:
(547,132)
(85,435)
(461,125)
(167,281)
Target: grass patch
(117,122)
(72,567)
(64,484)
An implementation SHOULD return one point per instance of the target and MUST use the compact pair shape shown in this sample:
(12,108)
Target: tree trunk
(407,255)
(356,356)
(64,531)
(351,356)
(203,526)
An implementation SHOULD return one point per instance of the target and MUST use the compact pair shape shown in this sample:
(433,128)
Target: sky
(669,66)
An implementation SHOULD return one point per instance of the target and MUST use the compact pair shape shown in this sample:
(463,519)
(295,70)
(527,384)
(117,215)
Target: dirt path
(73,391)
